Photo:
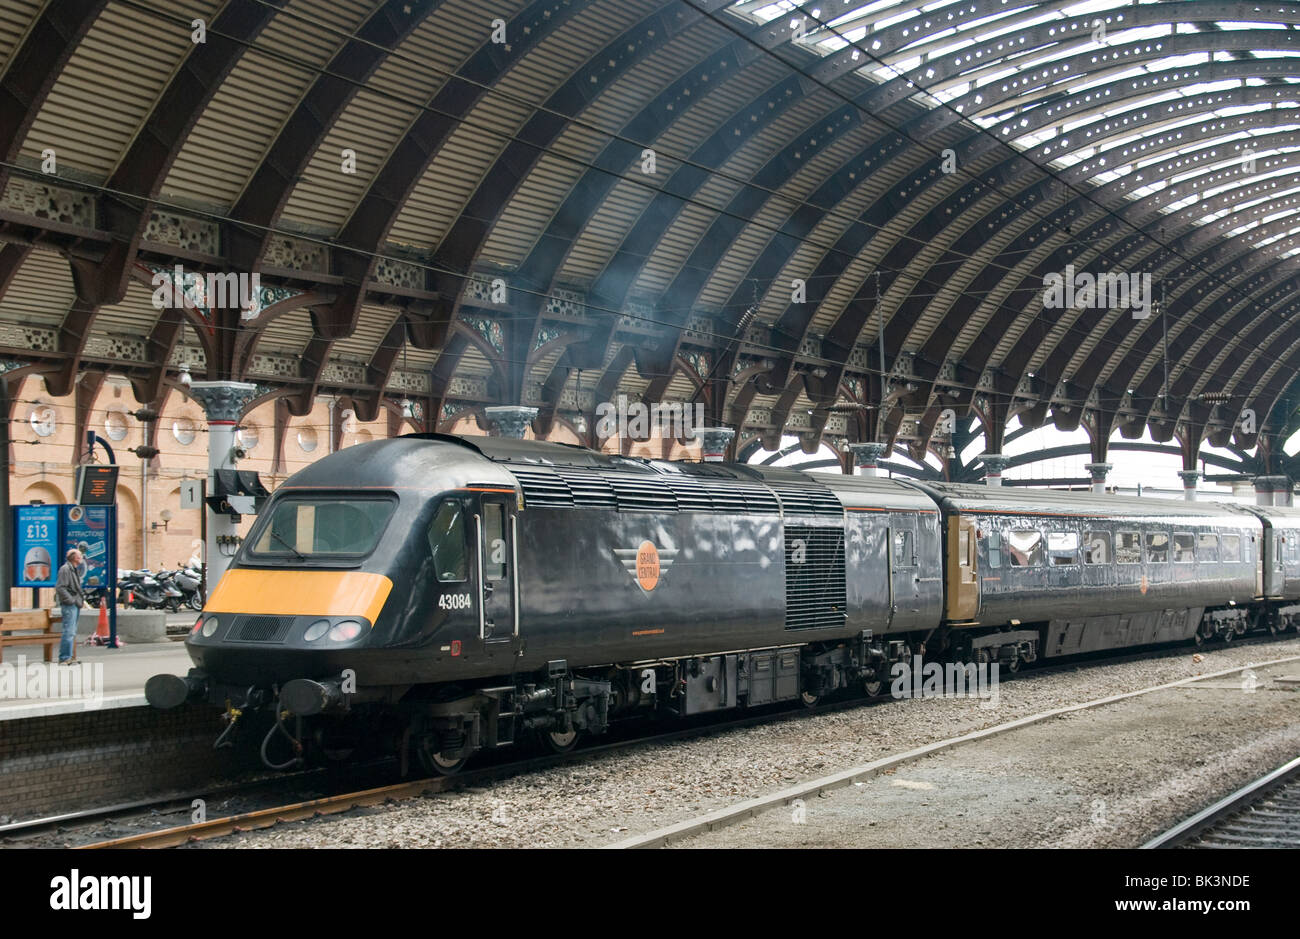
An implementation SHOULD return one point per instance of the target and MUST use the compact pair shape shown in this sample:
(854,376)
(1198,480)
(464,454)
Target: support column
(1098,472)
(713,442)
(510,420)
(994,464)
(223,403)
(1189,483)
(1272,490)
(867,456)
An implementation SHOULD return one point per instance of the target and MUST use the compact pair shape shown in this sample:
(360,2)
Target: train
(433,596)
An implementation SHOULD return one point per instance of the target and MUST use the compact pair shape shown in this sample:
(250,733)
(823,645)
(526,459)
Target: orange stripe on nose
(300,593)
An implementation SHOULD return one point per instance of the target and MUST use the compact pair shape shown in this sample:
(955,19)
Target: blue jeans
(70,613)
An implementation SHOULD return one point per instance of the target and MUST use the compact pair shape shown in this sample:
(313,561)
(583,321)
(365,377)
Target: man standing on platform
(68,593)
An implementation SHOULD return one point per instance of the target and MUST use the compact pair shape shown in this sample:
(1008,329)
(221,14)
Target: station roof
(745,204)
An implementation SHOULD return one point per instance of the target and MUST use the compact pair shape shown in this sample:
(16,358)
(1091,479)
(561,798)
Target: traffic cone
(101,629)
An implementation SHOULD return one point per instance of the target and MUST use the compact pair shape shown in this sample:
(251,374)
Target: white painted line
(720,818)
(56,706)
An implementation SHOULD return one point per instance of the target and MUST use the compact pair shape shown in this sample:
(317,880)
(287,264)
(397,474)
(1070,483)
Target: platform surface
(101,678)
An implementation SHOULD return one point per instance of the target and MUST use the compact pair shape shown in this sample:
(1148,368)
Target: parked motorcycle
(147,591)
(188,581)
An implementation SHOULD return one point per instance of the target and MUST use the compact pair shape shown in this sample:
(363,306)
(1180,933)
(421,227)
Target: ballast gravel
(611,796)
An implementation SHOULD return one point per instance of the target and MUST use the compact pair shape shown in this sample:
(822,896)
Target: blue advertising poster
(85,527)
(36,545)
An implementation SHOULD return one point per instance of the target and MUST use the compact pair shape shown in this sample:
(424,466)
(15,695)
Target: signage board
(97,484)
(36,545)
(86,528)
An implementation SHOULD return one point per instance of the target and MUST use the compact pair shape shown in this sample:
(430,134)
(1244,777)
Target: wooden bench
(29,628)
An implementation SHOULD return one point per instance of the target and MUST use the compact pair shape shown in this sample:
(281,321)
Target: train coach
(433,596)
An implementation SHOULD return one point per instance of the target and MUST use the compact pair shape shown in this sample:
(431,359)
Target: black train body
(435,595)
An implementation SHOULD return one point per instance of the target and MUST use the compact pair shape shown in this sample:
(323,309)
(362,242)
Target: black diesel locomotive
(438,595)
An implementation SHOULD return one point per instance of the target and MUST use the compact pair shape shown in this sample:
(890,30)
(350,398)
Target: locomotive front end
(328,612)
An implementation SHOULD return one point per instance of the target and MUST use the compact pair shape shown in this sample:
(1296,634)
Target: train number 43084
(454,601)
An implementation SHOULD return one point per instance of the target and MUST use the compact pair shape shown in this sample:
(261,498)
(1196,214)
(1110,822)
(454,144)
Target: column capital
(994,464)
(867,455)
(510,419)
(714,441)
(223,401)
(1099,470)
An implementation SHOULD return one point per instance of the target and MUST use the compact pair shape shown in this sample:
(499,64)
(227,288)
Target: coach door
(904,573)
(963,588)
(497,577)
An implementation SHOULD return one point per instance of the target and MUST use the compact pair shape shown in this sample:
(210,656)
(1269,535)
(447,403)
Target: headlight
(345,631)
(210,626)
(316,630)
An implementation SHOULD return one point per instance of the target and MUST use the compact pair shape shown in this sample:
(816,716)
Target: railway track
(1262,814)
(379,795)
(750,808)
(374,795)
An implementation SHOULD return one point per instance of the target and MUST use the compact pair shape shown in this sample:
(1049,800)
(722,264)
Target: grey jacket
(67,589)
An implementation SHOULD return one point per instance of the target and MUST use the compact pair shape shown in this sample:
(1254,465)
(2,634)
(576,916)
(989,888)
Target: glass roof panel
(1132,106)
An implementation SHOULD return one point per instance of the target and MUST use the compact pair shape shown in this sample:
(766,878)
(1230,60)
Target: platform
(102,678)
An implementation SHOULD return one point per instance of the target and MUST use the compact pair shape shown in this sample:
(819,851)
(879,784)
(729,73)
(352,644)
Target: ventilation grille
(814,577)
(809,500)
(561,487)
(543,489)
(264,628)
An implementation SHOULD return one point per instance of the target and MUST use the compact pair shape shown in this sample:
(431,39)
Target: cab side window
(494,537)
(447,543)
(1157,547)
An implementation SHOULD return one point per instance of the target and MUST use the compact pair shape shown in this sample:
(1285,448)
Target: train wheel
(873,688)
(1013,665)
(1228,635)
(558,741)
(434,761)
(808,699)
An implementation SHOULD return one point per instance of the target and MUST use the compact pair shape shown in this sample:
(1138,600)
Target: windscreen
(322,527)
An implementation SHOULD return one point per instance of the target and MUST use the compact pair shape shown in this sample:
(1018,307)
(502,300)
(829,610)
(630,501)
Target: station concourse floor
(107,678)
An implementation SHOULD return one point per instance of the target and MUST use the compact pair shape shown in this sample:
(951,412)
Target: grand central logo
(646,563)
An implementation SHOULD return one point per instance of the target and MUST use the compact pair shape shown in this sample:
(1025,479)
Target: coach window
(1063,547)
(1157,547)
(1184,547)
(903,548)
(447,543)
(1096,547)
(1025,548)
(1128,547)
(1231,549)
(995,549)
(1207,547)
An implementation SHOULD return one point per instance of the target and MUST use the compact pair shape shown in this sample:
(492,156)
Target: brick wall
(69,762)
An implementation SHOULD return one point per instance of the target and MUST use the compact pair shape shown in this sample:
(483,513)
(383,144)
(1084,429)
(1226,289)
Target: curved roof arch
(552,202)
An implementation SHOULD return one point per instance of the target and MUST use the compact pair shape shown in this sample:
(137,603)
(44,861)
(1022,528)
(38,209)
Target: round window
(44,419)
(248,435)
(115,425)
(184,431)
(307,439)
